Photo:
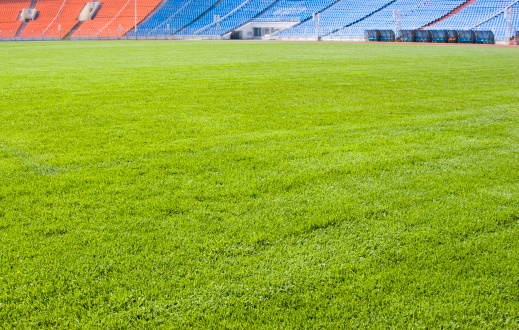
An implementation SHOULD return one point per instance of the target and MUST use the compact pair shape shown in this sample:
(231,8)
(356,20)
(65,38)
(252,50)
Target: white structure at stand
(508,18)
(397,16)
(260,30)
(89,11)
(28,15)
(317,19)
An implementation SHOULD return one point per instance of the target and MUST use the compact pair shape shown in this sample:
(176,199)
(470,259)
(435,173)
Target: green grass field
(258,185)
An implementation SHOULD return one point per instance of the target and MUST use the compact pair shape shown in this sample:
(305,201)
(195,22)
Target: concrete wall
(247,31)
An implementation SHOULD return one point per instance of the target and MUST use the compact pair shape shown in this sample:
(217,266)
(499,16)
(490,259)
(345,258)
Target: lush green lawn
(258,185)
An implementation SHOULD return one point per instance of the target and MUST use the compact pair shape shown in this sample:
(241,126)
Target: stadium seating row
(413,14)
(116,17)
(436,36)
(60,18)
(9,12)
(56,18)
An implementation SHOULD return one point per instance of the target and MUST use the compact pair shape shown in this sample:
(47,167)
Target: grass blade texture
(258,185)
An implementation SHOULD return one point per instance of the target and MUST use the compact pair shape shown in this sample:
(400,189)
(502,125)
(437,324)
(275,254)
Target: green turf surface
(258,185)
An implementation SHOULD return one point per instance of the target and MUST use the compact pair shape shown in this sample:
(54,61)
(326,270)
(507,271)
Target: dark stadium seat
(452,36)
(439,36)
(466,37)
(485,37)
(408,35)
(387,35)
(372,35)
(423,36)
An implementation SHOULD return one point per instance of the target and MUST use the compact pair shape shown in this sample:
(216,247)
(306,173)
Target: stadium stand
(293,10)
(339,14)
(54,14)
(452,13)
(414,15)
(473,15)
(175,15)
(498,24)
(9,12)
(48,11)
(116,17)
(238,16)
(231,12)
(333,18)
(67,18)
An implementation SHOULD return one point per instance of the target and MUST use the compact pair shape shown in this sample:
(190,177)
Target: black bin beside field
(408,35)
(439,36)
(372,35)
(485,37)
(387,35)
(466,37)
(452,36)
(423,36)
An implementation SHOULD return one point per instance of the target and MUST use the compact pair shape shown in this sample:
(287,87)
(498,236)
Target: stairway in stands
(307,18)
(67,18)
(319,12)
(10,11)
(179,31)
(74,29)
(252,18)
(363,18)
(24,24)
(162,2)
(116,18)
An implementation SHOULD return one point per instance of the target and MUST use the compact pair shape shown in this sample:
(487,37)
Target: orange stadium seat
(115,13)
(48,10)
(9,12)
(67,17)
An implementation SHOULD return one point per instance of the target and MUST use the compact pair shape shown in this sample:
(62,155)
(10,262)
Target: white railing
(222,18)
(495,14)
(172,16)
(353,34)
(119,13)
(56,17)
